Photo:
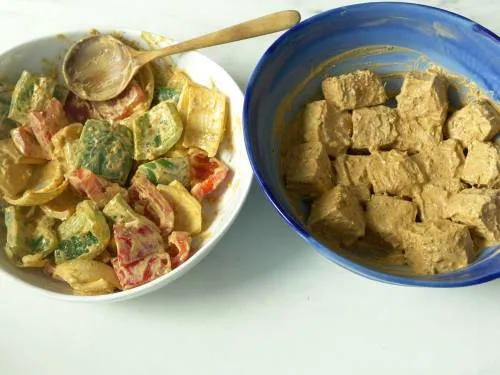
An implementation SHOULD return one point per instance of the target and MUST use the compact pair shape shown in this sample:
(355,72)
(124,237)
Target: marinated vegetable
(156,131)
(31,93)
(165,170)
(206,174)
(31,236)
(84,235)
(105,196)
(135,236)
(106,150)
(187,209)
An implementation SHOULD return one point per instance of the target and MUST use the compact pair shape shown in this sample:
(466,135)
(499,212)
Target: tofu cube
(417,134)
(354,90)
(477,121)
(395,173)
(386,216)
(374,127)
(351,170)
(431,202)
(424,96)
(337,216)
(309,171)
(325,123)
(442,164)
(437,247)
(482,164)
(479,209)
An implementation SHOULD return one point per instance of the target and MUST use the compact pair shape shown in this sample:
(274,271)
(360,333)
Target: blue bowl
(456,43)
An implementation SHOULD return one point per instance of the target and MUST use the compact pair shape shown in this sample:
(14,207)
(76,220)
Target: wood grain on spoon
(99,67)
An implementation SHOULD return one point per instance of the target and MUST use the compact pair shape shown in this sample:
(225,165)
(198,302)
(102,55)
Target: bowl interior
(390,38)
(45,56)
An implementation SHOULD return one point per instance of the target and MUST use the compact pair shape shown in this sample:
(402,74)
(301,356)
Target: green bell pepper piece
(106,150)
(31,93)
(30,234)
(164,171)
(156,131)
(84,235)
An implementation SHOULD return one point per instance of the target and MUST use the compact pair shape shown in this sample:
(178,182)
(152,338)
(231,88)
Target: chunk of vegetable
(136,240)
(88,277)
(46,183)
(6,124)
(31,93)
(26,143)
(14,177)
(77,109)
(206,174)
(118,211)
(187,209)
(135,235)
(84,235)
(148,201)
(121,107)
(204,113)
(106,150)
(65,146)
(167,93)
(93,187)
(61,93)
(179,247)
(31,236)
(142,271)
(164,171)
(47,122)
(156,131)
(63,206)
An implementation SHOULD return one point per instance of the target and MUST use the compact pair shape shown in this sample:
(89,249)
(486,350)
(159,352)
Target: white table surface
(263,302)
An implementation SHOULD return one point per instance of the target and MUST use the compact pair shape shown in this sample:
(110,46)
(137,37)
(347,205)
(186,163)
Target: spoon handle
(259,26)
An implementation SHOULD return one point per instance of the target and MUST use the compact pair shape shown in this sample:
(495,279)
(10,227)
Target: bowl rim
(244,189)
(290,220)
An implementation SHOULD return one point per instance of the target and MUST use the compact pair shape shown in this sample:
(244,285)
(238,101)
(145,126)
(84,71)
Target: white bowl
(46,53)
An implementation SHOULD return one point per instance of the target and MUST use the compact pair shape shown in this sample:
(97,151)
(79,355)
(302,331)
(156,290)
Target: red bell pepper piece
(206,174)
(96,188)
(148,201)
(141,271)
(179,247)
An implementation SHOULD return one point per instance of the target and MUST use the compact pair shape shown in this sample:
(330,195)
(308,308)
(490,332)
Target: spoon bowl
(97,64)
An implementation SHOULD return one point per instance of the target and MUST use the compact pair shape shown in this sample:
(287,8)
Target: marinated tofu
(437,247)
(417,134)
(354,90)
(374,128)
(309,173)
(482,165)
(351,170)
(395,173)
(477,121)
(479,209)
(424,97)
(431,202)
(442,164)
(337,215)
(387,216)
(325,123)
(393,185)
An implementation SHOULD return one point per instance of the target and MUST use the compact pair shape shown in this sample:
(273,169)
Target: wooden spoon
(100,67)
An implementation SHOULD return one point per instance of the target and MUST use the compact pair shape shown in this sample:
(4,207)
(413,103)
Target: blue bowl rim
(323,250)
